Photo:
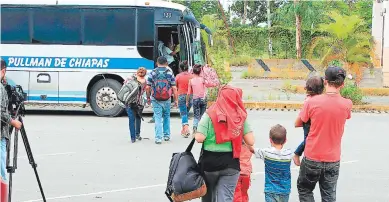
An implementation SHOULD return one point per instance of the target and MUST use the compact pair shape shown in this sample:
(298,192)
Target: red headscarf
(228,116)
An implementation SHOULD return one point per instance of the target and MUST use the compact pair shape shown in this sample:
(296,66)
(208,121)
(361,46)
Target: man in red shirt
(328,114)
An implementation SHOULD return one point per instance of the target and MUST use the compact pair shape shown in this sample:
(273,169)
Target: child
(314,86)
(277,166)
(242,188)
(182,82)
(197,88)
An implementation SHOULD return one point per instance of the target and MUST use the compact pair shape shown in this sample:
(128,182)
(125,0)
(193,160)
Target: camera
(16,97)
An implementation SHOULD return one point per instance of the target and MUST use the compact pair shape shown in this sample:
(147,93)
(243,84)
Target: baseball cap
(334,73)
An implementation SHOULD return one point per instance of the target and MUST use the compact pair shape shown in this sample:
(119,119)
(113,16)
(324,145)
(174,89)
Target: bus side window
(145,33)
(47,31)
(15,26)
(109,26)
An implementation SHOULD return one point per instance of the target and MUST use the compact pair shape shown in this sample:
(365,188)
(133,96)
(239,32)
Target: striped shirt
(277,169)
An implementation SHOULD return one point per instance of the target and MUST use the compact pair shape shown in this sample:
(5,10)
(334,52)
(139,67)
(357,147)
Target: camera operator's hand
(17,124)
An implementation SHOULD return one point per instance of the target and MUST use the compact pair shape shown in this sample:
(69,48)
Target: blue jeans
(3,161)
(134,124)
(272,197)
(184,110)
(300,149)
(162,118)
(199,107)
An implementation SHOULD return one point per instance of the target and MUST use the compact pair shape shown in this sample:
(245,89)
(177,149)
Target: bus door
(43,87)
(185,36)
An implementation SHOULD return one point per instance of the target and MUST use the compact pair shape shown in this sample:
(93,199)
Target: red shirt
(182,81)
(328,114)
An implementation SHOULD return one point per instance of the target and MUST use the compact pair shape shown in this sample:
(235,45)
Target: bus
(80,52)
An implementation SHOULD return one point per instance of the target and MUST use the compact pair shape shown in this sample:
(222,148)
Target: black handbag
(185,180)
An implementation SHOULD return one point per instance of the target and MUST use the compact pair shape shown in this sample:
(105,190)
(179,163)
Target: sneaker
(194,130)
(138,137)
(152,121)
(158,141)
(133,140)
(166,138)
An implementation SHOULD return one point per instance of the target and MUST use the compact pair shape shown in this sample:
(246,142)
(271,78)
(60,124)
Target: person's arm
(248,135)
(298,122)
(202,128)
(5,116)
(190,91)
(174,88)
(149,83)
(258,153)
(304,114)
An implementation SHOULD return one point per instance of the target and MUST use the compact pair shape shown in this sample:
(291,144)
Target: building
(380,33)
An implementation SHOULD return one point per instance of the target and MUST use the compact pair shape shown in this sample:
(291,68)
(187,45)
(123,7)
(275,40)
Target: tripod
(11,169)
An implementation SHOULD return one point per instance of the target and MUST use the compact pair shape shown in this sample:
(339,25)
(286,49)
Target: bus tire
(103,100)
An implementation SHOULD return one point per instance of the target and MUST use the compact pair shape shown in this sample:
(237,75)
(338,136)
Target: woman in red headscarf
(221,130)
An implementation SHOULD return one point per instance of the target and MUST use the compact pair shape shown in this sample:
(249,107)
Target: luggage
(129,93)
(209,74)
(185,180)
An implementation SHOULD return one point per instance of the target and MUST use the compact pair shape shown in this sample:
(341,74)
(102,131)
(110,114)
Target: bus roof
(143,3)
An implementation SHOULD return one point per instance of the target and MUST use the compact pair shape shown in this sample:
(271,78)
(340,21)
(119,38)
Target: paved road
(85,158)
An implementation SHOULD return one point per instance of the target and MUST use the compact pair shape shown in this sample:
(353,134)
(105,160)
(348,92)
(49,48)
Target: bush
(352,92)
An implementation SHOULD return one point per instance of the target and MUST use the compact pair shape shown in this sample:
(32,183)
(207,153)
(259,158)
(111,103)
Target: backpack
(162,87)
(185,180)
(129,93)
(210,75)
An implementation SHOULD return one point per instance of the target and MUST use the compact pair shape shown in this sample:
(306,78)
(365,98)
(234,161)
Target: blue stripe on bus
(60,99)
(53,92)
(78,62)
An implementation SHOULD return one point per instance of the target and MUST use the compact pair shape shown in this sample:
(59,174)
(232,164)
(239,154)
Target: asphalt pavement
(84,158)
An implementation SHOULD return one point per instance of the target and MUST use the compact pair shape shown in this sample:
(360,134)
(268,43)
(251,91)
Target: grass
(275,73)
(365,91)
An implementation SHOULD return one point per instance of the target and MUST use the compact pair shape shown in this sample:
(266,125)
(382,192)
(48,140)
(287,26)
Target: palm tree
(345,40)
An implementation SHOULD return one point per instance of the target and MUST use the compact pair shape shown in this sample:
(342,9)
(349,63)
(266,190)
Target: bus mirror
(210,40)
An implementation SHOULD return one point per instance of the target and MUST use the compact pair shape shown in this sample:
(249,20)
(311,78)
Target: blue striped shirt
(277,169)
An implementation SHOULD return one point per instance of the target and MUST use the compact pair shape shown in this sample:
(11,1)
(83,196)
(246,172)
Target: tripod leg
(5,145)
(11,169)
(31,158)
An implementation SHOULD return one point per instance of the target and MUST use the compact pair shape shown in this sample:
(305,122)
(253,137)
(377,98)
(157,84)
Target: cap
(334,73)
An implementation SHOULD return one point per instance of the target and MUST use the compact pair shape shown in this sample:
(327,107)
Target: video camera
(16,97)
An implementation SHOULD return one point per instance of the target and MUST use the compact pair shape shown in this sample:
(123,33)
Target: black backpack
(185,180)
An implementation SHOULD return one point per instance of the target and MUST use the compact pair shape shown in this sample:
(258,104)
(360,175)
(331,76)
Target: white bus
(80,51)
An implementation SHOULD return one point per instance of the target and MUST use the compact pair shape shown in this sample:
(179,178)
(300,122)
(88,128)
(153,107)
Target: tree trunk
(244,12)
(298,32)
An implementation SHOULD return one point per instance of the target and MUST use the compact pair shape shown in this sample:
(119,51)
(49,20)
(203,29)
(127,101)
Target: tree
(345,40)
(256,10)
(200,7)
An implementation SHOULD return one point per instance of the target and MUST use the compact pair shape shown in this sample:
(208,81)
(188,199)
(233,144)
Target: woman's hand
(199,137)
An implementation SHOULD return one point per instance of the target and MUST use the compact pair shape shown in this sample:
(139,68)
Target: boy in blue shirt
(277,166)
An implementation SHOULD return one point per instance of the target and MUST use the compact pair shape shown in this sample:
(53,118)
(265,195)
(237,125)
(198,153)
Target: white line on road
(137,188)
(54,154)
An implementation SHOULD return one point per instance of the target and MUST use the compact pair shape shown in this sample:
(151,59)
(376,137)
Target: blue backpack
(162,87)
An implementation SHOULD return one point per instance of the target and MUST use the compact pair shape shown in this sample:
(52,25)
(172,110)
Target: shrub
(352,92)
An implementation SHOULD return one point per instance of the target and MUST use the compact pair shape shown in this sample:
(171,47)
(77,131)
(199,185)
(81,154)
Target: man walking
(328,114)
(160,86)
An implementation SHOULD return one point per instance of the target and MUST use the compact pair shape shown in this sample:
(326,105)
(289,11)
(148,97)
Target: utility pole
(244,12)
(269,27)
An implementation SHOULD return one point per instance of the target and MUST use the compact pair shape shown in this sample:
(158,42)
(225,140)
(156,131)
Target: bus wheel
(103,98)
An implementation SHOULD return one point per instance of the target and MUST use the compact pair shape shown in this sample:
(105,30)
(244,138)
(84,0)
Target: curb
(294,106)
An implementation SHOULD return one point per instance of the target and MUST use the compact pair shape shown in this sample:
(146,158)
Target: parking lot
(84,158)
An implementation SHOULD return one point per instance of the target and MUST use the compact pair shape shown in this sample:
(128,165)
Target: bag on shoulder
(162,87)
(129,93)
(210,75)
(185,180)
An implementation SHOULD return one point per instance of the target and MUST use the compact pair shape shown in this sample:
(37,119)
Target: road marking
(54,154)
(296,168)
(138,188)
(101,192)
